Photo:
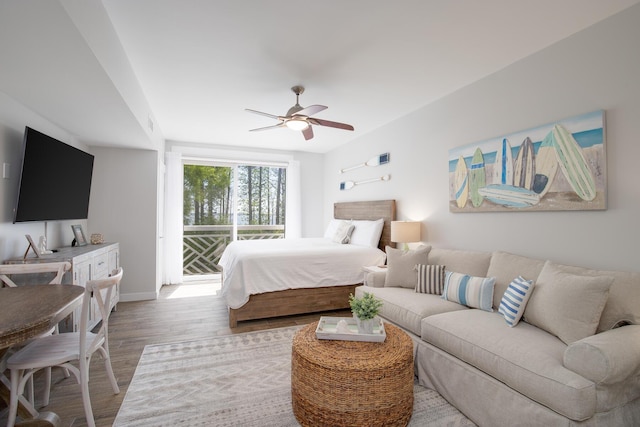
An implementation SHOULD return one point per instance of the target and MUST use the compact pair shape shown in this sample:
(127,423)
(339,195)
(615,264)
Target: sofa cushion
(467,262)
(515,300)
(505,267)
(407,308)
(430,279)
(475,292)
(401,266)
(567,305)
(623,305)
(526,358)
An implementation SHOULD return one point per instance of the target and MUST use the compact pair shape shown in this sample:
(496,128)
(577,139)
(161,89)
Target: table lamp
(405,232)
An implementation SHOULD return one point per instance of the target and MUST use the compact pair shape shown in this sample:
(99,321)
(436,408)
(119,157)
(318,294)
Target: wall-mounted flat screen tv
(55,181)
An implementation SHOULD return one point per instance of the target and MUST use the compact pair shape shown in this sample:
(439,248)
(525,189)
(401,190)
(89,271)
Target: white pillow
(343,233)
(367,233)
(333,226)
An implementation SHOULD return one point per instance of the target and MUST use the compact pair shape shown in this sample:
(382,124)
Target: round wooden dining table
(27,312)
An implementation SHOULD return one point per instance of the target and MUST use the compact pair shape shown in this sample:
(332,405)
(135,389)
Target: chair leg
(86,398)
(83,379)
(110,374)
(16,374)
(47,386)
(31,397)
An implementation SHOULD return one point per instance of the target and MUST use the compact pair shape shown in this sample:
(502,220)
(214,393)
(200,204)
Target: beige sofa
(525,375)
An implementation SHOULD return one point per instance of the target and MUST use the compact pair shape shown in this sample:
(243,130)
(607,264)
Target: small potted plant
(365,310)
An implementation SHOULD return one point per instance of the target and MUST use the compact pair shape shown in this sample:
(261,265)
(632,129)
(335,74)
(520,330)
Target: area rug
(235,380)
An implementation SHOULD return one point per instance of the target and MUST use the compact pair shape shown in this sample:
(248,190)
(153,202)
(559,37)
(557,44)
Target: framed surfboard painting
(556,167)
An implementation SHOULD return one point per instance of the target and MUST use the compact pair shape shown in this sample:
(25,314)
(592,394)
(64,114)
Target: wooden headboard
(370,210)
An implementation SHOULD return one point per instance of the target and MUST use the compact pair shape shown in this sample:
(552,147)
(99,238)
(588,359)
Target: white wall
(595,69)
(123,207)
(311,199)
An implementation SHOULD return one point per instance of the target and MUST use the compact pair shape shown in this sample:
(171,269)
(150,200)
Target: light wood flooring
(185,312)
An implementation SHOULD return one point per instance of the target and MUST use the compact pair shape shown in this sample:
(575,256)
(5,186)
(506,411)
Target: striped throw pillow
(474,292)
(430,279)
(515,300)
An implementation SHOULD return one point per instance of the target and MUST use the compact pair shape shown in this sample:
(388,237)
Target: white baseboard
(139,296)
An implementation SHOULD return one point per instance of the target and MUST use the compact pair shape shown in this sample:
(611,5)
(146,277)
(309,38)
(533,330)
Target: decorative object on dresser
(97,238)
(316,295)
(78,236)
(405,232)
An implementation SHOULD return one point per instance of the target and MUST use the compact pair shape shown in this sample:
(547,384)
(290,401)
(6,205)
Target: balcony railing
(203,245)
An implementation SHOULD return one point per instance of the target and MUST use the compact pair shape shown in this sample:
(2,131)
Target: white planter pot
(366,326)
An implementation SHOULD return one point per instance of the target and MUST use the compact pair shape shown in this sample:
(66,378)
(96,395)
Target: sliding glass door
(225,202)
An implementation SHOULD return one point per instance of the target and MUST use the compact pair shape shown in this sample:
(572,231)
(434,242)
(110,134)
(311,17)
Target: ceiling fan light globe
(297,124)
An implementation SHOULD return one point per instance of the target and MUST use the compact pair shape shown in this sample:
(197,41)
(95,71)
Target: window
(222,203)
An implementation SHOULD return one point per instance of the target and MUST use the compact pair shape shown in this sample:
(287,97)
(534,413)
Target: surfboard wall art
(555,167)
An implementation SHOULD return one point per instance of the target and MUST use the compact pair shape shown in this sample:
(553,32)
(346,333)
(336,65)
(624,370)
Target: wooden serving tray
(327,330)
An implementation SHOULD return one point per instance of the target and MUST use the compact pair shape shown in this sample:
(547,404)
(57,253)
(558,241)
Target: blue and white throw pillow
(515,300)
(430,279)
(475,292)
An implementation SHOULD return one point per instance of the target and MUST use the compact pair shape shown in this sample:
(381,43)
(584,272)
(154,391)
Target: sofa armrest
(375,279)
(608,357)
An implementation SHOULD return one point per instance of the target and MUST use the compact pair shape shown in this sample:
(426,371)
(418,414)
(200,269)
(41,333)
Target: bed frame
(311,300)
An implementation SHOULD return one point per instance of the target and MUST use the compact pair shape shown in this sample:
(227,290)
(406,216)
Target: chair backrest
(102,291)
(59,268)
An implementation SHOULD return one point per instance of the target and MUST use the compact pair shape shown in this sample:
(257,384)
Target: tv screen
(55,181)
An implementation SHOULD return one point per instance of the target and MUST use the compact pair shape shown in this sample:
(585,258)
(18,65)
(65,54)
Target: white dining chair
(9,273)
(63,349)
(59,268)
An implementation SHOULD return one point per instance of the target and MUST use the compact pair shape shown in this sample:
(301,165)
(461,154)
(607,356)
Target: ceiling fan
(299,118)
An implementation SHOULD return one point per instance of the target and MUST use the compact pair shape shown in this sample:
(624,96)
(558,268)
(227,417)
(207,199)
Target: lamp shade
(405,231)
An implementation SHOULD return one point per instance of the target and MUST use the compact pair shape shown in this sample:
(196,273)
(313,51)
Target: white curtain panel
(293,226)
(173,230)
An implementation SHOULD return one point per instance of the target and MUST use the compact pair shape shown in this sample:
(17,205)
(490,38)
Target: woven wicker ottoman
(350,383)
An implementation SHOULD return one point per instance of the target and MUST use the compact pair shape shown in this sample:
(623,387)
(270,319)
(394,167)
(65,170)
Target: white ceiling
(102,70)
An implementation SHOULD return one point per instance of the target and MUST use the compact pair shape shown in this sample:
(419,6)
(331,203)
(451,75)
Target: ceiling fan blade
(264,114)
(330,124)
(279,125)
(310,110)
(308,133)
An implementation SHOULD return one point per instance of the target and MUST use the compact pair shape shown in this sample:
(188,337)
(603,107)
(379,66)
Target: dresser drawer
(100,266)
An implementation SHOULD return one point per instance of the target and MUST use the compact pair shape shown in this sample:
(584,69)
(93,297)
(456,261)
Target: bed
(257,286)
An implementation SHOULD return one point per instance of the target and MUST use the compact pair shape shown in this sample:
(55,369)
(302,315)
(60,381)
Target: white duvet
(258,266)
